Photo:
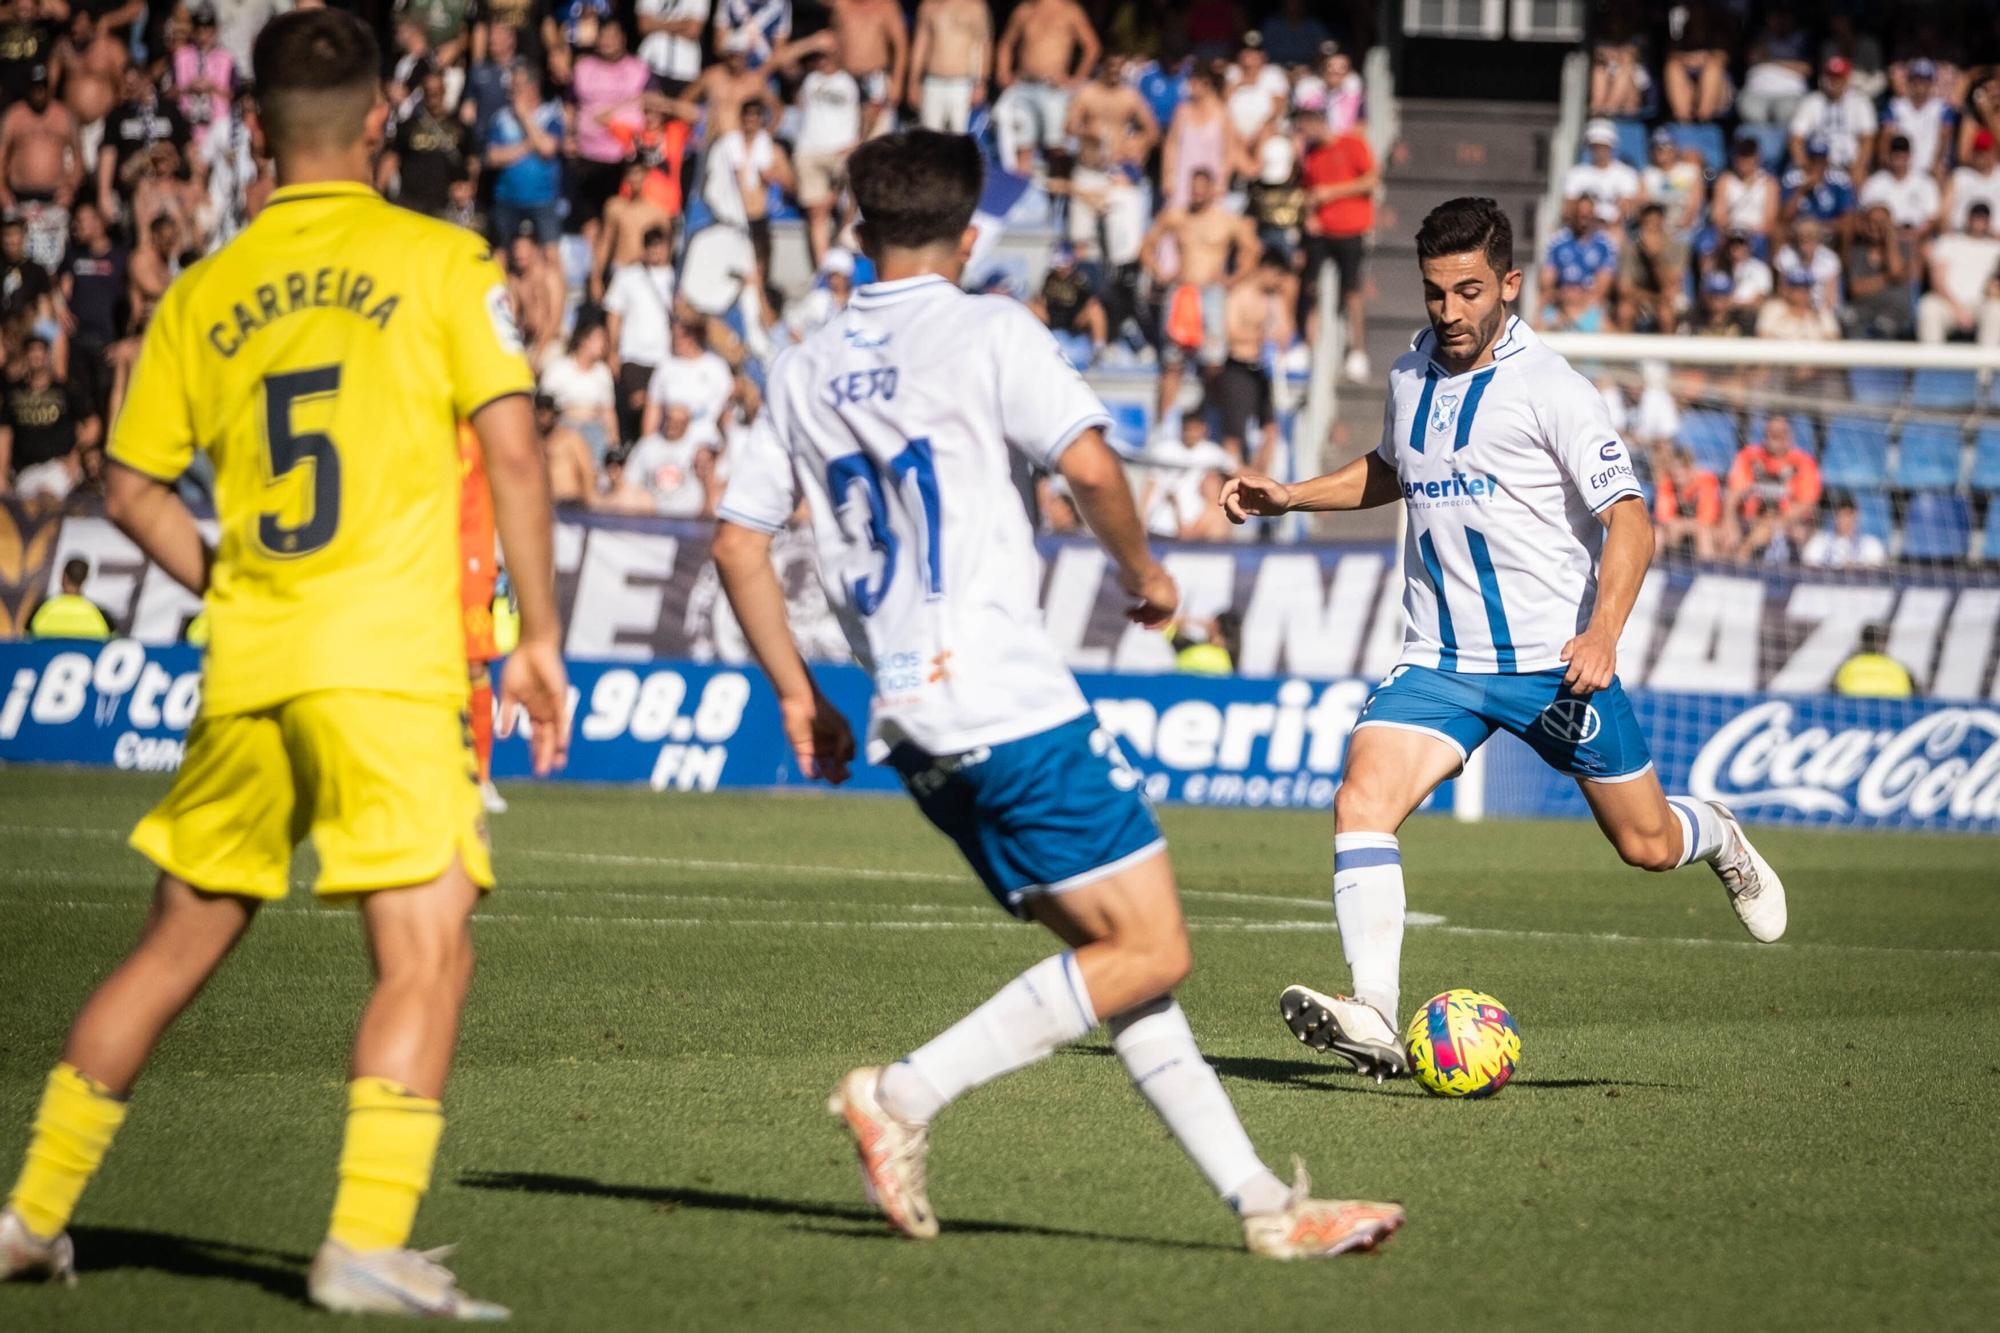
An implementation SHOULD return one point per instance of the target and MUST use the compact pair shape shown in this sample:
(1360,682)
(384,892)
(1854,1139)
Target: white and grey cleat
(1755,890)
(1347,1027)
(403,1282)
(26,1257)
(892,1153)
(1309,1228)
(490,797)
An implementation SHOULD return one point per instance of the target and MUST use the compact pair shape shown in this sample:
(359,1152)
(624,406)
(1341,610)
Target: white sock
(1159,1053)
(1703,834)
(1368,904)
(1028,1018)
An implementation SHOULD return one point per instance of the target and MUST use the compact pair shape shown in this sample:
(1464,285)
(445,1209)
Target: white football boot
(1347,1027)
(490,797)
(1755,890)
(1309,1228)
(891,1151)
(405,1282)
(26,1256)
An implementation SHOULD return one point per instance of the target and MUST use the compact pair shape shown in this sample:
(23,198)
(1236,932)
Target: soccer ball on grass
(1463,1044)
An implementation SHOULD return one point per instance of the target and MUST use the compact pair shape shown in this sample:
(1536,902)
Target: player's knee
(439,959)
(1650,850)
(1360,807)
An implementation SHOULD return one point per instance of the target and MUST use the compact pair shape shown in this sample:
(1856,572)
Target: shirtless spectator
(725,86)
(161,187)
(155,265)
(1187,256)
(1257,312)
(872,43)
(1046,48)
(41,161)
(573,476)
(951,57)
(90,68)
(1111,112)
(630,216)
(535,286)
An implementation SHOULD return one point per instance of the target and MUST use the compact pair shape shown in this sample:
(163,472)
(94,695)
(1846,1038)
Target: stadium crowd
(1191,164)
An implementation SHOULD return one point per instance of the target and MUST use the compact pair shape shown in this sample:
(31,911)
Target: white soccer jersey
(1505,471)
(894,421)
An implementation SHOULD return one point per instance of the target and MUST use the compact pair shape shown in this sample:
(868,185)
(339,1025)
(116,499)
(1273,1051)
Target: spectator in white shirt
(1674,180)
(1810,253)
(1923,118)
(636,313)
(737,176)
(670,473)
(1790,316)
(1746,195)
(830,107)
(1964,295)
(692,377)
(1844,545)
(1780,68)
(580,382)
(1180,500)
(1842,115)
(1611,186)
(1911,196)
(1977,181)
(670,42)
(1258,90)
(828,296)
(1750,278)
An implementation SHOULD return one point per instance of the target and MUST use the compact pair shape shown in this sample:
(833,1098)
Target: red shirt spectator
(1340,159)
(1774,473)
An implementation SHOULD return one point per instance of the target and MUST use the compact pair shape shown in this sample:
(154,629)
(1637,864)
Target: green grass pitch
(1704,1133)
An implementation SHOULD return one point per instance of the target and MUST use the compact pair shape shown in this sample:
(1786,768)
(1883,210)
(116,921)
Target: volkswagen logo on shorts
(1571,721)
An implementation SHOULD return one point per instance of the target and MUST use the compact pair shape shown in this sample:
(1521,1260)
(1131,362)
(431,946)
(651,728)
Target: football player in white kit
(894,423)
(1526,542)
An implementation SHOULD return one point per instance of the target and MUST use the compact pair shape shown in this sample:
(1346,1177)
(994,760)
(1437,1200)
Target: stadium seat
(1946,390)
(1772,144)
(1704,139)
(1878,386)
(1927,458)
(1711,437)
(1856,457)
(1877,519)
(1632,143)
(1986,462)
(1129,425)
(1805,431)
(1993,533)
(1938,526)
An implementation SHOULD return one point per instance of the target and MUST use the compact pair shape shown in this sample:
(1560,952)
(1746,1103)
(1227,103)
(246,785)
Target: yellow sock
(73,1129)
(385,1164)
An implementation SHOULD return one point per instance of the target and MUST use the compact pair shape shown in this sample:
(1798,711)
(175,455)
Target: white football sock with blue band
(1368,905)
(1158,1050)
(1703,834)
(1026,1020)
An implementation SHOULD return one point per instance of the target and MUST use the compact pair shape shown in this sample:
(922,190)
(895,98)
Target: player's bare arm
(1103,497)
(1628,550)
(820,737)
(1365,483)
(151,513)
(533,680)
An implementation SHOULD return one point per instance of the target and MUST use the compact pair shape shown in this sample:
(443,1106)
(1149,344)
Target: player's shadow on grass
(869,1224)
(1332,1075)
(106,1249)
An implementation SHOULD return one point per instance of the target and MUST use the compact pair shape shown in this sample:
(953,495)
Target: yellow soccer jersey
(323,359)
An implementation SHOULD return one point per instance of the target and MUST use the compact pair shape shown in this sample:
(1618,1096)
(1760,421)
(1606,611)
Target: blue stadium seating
(1928,458)
(1705,139)
(1805,431)
(1711,437)
(1945,390)
(1878,386)
(1993,533)
(1772,143)
(1129,424)
(1856,457)
(1632,143)
(1986,461)
(1938,526)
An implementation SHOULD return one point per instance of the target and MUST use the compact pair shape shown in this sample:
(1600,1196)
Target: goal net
(1815,504)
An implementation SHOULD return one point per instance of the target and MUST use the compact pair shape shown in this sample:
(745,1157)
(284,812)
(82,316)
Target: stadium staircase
(1447,148)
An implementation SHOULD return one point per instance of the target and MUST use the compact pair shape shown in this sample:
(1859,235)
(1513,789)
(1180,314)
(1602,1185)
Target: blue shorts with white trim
(1048,812)
(1595,737)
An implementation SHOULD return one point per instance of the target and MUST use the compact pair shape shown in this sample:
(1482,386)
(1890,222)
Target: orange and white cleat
(891,1152)
(1309,1228)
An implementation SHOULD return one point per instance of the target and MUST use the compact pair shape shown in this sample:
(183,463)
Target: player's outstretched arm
(1362,484)
(1103,497)
(150,512)
(1628,550)
(821,740)
(533,678)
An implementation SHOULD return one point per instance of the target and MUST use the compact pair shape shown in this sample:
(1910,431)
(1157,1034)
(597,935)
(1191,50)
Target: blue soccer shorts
(1053,811)
(1594,737)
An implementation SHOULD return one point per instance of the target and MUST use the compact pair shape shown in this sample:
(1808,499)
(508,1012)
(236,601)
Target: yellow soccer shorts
(385,785)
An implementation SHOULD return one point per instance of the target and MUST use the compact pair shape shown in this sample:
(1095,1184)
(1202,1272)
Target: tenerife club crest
(1444,412)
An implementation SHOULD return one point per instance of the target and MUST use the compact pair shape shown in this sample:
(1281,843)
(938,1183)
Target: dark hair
(76,569)
(756,104)
(1652,211)
(1459,225)
(654,236)
(916,188)
(316,72)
